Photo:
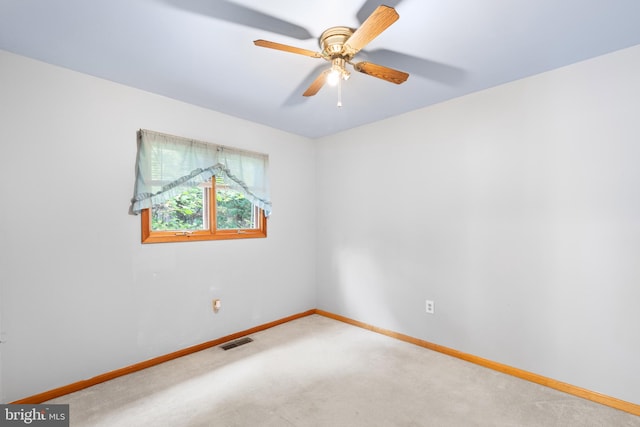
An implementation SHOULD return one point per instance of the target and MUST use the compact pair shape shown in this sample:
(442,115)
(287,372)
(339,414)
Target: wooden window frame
(149,236)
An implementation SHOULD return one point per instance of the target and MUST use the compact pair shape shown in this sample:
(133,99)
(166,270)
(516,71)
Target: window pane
(233,210)
(185,212)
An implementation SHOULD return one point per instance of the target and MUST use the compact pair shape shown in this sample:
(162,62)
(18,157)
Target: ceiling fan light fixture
(333,77)
(338,71)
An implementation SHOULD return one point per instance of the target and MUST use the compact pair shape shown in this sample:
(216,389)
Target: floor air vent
(236,343)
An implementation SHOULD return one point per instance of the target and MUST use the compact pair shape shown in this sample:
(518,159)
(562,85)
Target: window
(189,190)
(191,216)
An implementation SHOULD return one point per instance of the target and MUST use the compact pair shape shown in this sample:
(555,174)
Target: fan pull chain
(340,92)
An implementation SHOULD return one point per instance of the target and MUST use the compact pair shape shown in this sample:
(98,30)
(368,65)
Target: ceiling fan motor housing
(332,42)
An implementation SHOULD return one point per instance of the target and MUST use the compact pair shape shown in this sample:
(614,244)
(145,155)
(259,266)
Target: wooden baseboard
(61,391)
(525,375)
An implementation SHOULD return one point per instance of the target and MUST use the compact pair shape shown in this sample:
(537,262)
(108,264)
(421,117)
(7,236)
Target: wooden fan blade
(381,72)
(369,6)
(286,48)
(376,23)
(317,84)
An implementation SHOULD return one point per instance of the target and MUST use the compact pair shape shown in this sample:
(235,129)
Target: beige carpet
(320,372)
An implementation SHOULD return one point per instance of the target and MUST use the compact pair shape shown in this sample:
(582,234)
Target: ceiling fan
(340,44)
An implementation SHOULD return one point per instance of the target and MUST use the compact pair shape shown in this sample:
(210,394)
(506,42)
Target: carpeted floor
(317,371)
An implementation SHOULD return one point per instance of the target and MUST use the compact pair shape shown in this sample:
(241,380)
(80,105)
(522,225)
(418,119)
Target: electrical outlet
(430,307)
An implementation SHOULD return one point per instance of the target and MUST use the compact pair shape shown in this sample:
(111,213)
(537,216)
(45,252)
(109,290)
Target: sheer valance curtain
(167,165)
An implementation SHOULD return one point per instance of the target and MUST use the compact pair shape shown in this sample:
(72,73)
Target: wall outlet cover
(430,307)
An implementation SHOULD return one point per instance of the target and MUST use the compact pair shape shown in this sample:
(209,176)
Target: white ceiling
(201,51)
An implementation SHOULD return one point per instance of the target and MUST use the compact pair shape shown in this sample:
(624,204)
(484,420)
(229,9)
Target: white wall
(516,209)
(80,295)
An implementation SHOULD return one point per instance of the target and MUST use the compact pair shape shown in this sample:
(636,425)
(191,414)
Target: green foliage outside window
(183,212)
(187,211)
(233,210)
